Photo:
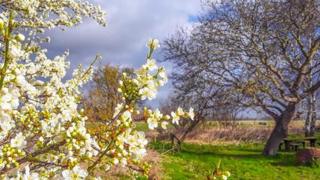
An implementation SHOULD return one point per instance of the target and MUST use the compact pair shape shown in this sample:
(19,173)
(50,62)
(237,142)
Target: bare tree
(205,110)
(180,132)
(194,86)
(261,50)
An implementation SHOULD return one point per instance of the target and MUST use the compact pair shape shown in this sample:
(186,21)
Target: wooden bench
(280,145)
(294,146)
(312,141)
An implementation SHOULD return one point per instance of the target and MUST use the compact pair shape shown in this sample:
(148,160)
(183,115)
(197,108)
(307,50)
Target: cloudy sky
(130,24)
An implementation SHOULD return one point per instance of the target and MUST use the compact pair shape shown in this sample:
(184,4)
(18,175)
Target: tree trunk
(280,131)
(176,142)
(308,119)
(310,123)
(313,116)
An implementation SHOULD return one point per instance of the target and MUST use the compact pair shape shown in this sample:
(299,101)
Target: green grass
(243,161)
(141,126)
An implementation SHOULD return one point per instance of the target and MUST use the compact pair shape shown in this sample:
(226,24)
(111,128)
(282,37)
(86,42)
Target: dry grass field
(244,131)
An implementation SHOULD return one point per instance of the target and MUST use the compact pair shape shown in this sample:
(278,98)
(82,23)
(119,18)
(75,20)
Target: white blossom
(175,118)
(164,124)
(153,43)
(19,141)
(191,113)
(76,173)
(152,123)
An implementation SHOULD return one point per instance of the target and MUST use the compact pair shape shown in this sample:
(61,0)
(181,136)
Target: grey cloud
(130,24)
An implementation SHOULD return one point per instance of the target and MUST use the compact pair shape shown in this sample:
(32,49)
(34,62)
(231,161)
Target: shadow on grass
(241,153)
(281,160)
(285,163)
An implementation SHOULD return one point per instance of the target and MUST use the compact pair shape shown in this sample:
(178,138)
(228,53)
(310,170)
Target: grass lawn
(141,126)
(244,162)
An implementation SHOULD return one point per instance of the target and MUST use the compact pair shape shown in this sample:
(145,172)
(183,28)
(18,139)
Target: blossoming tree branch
(43,133)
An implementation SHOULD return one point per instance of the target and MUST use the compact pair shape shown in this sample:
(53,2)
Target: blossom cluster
(127,146)
(43,131)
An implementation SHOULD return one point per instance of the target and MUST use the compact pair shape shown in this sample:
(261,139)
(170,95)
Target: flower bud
(166,117)
(1,24)
(20,37)
(153,43)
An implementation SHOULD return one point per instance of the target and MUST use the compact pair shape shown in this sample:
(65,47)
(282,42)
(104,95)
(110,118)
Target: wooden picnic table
(293,143)
(312,141)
